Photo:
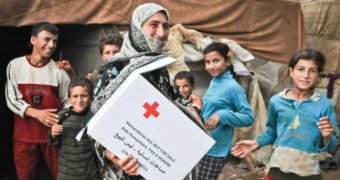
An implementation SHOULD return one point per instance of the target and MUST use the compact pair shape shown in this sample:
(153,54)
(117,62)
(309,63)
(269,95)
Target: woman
(148,34)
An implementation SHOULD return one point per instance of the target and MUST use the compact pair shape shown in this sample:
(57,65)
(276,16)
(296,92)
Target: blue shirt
(226,98)
(293,124)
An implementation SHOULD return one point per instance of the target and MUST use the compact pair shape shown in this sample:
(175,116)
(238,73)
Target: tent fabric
(322,18)
(270,29)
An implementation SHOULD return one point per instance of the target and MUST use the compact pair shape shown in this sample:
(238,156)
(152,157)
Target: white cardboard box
(139,120)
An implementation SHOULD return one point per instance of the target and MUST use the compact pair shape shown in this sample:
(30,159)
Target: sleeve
(242,117)
(52,141)
(107,74)
(270,134)
(64,81)
(13,96)
(332,144)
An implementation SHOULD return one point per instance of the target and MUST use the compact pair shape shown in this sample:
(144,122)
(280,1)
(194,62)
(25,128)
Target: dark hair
(223,50)
(185,75)
(112,39)
(306,54)
(83,82)
(43,26)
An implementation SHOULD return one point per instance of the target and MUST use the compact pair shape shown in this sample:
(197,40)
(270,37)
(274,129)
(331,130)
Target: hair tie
(228,55)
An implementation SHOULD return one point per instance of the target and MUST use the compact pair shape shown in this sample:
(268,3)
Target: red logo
(151,110)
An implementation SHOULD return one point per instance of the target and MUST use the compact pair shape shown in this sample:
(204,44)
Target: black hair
(185,75)
(223,50)
(83,82)
(43,26)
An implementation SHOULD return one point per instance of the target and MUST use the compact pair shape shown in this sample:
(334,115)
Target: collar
(315,97)
(226,75)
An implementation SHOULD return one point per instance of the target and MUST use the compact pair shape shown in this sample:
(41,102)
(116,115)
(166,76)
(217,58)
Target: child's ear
(194,87)
(290,71)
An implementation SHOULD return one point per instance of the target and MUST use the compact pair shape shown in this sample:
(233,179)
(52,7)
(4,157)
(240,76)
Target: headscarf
(138,49)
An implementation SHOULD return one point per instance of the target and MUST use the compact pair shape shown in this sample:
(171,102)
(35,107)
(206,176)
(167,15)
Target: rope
(24,14)
(125,18)
(57,3)
(251,24)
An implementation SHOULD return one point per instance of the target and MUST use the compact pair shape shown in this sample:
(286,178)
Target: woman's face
(215,63)
(157,26)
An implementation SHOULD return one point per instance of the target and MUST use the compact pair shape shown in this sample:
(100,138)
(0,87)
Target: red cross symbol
(151,110)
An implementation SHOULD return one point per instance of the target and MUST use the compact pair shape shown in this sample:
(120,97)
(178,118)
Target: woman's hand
(243,148)
(56,130)
(128,164)
(326,129)
(212,122)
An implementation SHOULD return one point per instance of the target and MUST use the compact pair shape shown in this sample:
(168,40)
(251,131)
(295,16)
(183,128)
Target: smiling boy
(185,83)
(35,90)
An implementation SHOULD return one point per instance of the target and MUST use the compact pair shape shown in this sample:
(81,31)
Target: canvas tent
(270,30)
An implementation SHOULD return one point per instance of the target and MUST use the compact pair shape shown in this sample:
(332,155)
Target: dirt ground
(232,172)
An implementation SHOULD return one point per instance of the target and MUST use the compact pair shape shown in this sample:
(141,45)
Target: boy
(83,164)
(35,90)
(108,46)
(185,83)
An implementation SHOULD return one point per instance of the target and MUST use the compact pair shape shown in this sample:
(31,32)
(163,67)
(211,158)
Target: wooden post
(247,158)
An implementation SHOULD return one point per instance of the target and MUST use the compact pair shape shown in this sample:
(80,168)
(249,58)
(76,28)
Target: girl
(76,159)
(225,106)
(300,124)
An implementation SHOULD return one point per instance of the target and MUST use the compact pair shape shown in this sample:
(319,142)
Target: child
(76,159)
(225,106)
(185,83)
(300,124)
(108,47)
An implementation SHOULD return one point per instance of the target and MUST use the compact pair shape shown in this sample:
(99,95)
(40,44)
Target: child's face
(109,50)
(304,74)
(184,87)
(215,64)
(79,98)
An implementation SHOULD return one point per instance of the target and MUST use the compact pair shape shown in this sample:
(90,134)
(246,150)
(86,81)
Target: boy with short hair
(35,92)
(185,83)
(108,47)
(63,134)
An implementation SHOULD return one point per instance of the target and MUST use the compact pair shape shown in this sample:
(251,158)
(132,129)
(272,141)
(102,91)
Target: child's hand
(326,129)
(64,65)
(243,148)
(212,122)
(56,130)
(196,101)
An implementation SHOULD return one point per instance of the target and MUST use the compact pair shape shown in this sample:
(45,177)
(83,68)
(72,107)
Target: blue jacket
(226,98)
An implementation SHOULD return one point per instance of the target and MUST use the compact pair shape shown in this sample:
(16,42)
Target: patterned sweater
(76,159)
(40,87)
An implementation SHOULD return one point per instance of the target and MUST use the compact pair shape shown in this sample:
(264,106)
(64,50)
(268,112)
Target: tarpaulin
(270,29)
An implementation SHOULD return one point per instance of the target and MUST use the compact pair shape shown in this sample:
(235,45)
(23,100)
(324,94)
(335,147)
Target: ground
(232,172)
